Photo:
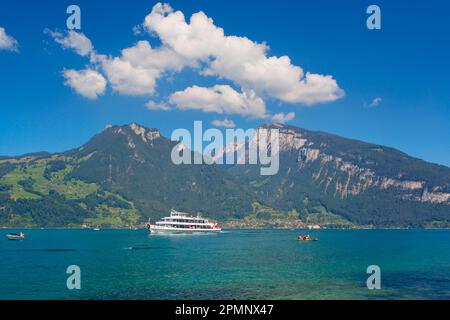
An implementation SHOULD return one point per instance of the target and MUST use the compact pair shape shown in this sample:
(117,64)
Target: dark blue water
(236,264)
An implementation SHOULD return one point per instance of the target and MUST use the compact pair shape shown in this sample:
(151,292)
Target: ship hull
(15,237)
(159,230)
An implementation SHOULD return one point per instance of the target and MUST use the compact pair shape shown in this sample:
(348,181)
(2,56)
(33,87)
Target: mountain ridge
(124,174)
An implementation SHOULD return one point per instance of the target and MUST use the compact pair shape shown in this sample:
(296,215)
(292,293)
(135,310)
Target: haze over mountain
(125,174)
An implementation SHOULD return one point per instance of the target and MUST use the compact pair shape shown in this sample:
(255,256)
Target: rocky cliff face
(353,177)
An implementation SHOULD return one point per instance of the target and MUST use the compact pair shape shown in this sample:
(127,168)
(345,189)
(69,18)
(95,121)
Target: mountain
(120,177)
(125,174)
(323,175)
(136,162)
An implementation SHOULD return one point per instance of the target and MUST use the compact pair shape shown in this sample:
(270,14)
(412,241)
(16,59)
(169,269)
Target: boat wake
(146,248)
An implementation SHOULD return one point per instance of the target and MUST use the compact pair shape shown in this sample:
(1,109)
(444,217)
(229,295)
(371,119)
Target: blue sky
(405,64)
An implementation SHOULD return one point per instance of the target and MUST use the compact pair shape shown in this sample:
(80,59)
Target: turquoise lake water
(236,264)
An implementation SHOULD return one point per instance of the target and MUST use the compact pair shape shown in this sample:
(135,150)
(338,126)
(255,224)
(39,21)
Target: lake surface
(236,264)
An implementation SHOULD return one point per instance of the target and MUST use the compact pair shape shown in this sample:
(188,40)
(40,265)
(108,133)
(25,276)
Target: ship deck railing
(159,223)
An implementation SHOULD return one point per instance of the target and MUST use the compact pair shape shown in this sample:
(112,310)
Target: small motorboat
(306,238)
(15,236)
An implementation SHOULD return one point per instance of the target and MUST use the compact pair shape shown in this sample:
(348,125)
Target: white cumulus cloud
(200,45)
(225,123)
(152,105)
(239,59)
(375,102)
(128,79)
(221,99)
(88,83)
(283,117)
(7,42)
(137,69)
(76,41)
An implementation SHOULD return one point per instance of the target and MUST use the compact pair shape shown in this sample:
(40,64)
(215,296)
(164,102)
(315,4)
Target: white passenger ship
(181,222)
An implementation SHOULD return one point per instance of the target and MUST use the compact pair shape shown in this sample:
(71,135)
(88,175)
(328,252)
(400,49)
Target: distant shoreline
(243,228)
